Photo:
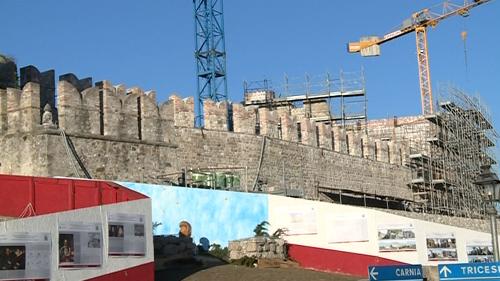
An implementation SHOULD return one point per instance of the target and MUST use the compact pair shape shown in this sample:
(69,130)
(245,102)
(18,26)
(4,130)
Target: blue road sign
(396,272)
(470,271)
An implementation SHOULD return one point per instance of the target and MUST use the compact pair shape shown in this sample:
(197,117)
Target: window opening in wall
(230,122)
(362,149)
(101,112)
(333,142)
(280,132)
(376,151)
(299,133)
(401,157)
(139,120)
(388,153)
(347,143)
(257,123)
(317,136)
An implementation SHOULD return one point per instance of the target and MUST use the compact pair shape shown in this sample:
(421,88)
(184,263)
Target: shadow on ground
(182,268)
(206,268)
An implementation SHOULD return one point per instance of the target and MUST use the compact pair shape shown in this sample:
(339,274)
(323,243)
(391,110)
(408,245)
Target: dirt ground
(242,273)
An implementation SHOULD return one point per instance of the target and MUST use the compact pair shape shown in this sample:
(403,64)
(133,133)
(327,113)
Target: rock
(272,247)
(233,246)
(259,247)
(251,247)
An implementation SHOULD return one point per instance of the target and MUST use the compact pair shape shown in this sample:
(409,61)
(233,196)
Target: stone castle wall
(124,134)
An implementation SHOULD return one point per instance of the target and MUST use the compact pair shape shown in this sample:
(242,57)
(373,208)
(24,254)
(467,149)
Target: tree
(279,233)
(217,251)
(155,226)
(261,229)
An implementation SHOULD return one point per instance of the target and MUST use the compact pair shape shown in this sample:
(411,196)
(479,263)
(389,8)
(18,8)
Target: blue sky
(150,44)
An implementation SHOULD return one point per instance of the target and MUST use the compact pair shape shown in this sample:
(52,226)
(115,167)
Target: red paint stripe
(52,195)
(143,272)
(336,261)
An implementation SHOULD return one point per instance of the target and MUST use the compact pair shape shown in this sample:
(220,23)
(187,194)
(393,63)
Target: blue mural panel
(218,215)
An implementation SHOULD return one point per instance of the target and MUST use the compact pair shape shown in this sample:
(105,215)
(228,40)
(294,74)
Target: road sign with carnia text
(411,272)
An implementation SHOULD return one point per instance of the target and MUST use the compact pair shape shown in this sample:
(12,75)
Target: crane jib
(369,46)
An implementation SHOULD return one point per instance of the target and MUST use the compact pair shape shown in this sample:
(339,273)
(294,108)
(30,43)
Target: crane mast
(418,23)
(210,54)
(424,71)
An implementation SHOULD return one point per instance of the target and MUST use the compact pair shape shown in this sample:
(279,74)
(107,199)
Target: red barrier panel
(143,272)
(15,192)
(50,195)
(336,261)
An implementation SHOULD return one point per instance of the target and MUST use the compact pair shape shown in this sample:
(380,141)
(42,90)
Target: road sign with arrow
(469,272)
(396,272)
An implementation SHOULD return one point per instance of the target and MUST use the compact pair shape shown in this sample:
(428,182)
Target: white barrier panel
(25,256)
(80,244)
(126,235)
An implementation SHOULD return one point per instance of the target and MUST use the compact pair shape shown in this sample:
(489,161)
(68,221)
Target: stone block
(233,246)
(70,108)
(3,111)
(183,111)
(252,247)
(215,115)
(272,247)
(244,118)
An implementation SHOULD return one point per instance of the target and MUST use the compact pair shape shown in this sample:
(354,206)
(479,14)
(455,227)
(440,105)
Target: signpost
(396,272)
(469,271)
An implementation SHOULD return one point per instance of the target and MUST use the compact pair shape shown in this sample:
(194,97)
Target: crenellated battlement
(105,109)
(215,115)
(114,131)
(113,111)
(83,109)
(180,110)
(20,109)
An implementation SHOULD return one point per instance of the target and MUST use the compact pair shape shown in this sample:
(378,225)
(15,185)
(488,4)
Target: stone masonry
(122,133)
(258,247)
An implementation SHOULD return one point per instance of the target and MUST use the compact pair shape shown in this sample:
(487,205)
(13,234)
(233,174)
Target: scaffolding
(345,96)
(460,140)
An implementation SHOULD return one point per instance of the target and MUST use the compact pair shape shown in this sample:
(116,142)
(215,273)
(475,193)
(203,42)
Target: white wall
(279,205)
(49,223)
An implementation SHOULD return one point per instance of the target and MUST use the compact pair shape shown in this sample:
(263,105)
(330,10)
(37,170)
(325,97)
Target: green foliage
(155,226)
(279,233)
(261,229)
(217,251)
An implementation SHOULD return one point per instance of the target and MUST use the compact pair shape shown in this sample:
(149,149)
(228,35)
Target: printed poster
(25,256)
(299,220)
(80,244)
(480,251)
(396,238)
(348,228)
(126,235)
(441,247)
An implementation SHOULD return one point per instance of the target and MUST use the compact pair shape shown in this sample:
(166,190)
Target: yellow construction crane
(418,23)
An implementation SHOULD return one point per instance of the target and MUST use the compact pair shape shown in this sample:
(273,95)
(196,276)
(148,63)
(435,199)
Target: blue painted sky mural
(226,215)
